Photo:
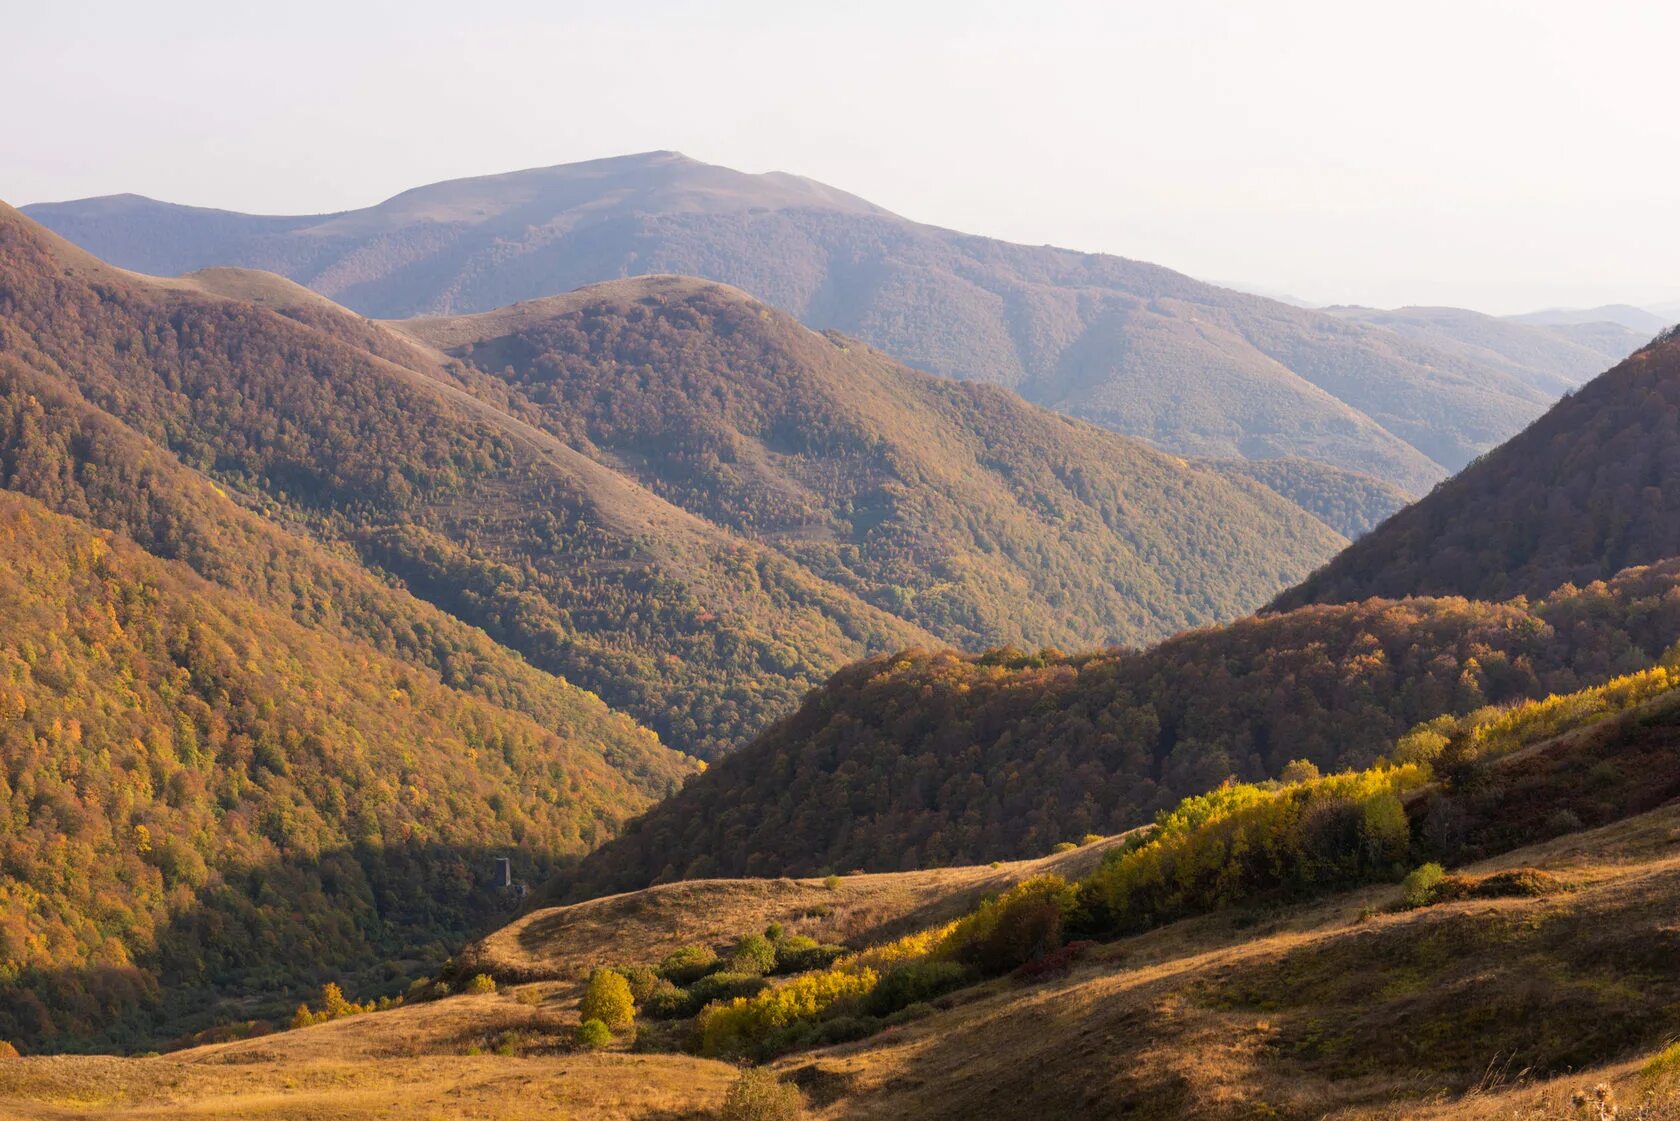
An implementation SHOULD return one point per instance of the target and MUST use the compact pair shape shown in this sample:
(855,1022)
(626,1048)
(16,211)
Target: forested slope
(920,759)
(1195,368)
(200,797)
(1590,488)
(957,507)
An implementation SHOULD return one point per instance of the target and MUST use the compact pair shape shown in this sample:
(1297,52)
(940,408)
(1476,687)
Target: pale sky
(1501,156)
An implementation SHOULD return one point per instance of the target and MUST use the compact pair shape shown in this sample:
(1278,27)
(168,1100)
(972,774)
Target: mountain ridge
(1198,370)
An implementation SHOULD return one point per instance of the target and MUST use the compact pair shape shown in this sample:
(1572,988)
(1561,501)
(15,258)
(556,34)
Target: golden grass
(1298,1012)
(564,943)
(409,1063)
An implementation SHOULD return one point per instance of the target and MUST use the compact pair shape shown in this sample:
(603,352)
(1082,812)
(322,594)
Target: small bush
(529,997)
(1299,770)
(1421,885)
(1054,963)
(643,979)
(1063,846)
(724,986)
(607,999)
(592,1035)
(480,984)
(667,1002)
(7,1051)
(801,955)
(511,1043)
(831,882)
(914,983)
(753,954)
(758,1095)
(1019,925)
(1090,839)
(687,965)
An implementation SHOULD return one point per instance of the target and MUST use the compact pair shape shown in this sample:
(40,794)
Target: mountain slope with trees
(1194,368)
(1589,489)
(957,507)
(927,758)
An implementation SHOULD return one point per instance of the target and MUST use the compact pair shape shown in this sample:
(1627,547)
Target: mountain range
(1137,348)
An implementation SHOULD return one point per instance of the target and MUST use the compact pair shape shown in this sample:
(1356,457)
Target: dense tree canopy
(927,758)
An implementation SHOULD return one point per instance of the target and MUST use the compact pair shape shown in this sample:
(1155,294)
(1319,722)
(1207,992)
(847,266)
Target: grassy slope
(1337,1007)
(959,507)
(564,943)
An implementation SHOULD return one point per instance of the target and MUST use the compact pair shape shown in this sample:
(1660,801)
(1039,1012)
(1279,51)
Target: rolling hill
(1547,942)
(956,507)
(1552,357)
(1194,368)
(922,759)
(1590,488)
(569,543)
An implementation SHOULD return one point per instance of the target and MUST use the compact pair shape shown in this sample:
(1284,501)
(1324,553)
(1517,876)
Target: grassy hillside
(1199,370)
(1535,980)
(1590,488)
(959,508)
(921,759)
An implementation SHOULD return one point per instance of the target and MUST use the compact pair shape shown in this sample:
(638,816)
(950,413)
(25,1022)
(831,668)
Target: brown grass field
(1343,1008)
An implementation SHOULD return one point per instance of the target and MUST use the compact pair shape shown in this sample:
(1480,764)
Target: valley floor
(1343,1008)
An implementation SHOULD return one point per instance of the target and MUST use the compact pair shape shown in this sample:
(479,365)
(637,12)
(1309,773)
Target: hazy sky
(1496,155)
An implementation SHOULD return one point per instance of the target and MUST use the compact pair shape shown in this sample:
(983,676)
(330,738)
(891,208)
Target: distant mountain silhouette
(1143,350)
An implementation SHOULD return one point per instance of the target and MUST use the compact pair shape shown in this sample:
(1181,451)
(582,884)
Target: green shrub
(479,984)
(913,983)
(667,1002)
(724,986)
(592,1035)
(831,882)
(758,1095)
(607,999)
(688,964)
(643,979)
(753,954)
(1420,886)
(1663,1068)
(799,954)
(1063,846)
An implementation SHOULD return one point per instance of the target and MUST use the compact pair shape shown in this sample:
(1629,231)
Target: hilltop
(1192,367)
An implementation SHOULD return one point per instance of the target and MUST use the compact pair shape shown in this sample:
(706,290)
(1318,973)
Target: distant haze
(1503,156)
